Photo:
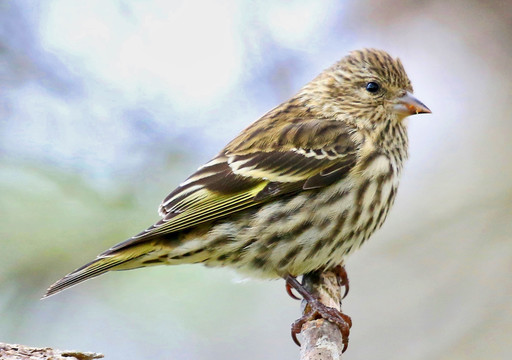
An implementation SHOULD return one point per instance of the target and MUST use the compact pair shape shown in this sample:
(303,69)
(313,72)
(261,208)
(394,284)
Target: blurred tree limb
(21,352)
(321,339)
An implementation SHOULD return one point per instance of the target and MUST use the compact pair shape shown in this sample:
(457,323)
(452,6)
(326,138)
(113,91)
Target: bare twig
(21,352)
(321,339)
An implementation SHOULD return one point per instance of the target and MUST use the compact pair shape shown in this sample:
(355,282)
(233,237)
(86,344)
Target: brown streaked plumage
(296,191)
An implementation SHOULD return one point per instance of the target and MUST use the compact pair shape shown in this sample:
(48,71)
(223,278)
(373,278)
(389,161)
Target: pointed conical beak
(409,105)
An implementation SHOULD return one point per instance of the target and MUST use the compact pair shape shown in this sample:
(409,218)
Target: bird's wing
(241,177)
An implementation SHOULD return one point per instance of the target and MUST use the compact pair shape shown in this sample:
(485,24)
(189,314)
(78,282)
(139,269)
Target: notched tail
(110,260)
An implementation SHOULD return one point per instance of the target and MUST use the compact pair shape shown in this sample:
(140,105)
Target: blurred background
(105,106)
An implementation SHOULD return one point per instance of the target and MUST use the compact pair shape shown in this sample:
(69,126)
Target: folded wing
(240,178)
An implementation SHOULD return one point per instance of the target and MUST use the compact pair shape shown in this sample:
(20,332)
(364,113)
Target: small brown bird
(295,192)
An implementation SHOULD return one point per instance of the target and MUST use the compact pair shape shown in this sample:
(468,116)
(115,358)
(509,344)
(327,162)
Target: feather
(103,263)
(237,180)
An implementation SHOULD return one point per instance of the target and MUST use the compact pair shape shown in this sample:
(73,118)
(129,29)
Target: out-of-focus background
(105,106)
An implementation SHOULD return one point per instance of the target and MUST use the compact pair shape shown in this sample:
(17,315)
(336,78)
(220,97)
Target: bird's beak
(409,105)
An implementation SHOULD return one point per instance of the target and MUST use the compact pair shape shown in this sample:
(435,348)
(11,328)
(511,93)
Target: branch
(21,352)
(322,339)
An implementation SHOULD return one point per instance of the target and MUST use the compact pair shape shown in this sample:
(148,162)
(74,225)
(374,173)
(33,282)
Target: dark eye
(372,87)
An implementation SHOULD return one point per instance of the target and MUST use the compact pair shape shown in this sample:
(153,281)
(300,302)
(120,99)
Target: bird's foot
(317,310)
(321,311)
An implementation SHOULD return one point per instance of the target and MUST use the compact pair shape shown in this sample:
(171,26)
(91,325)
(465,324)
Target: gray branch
(21,352)
(321,339)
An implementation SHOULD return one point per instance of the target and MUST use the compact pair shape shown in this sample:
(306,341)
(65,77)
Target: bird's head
(368,86)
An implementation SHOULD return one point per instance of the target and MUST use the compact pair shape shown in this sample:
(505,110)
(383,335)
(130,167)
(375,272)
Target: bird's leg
(317,310)
(341,275)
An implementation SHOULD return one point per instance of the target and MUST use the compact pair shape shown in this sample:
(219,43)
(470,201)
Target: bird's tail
(120,259)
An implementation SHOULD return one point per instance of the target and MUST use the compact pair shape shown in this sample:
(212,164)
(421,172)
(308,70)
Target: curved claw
(346,291)
(290,292)
(342,276)
(346,318)
(345,346)
(294,336)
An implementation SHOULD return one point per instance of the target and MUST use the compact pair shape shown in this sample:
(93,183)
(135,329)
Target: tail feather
(119,260)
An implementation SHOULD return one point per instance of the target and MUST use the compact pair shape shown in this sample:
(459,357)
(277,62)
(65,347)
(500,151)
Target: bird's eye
(372,87)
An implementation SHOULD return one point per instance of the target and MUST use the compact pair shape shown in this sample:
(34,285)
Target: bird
(296,192)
